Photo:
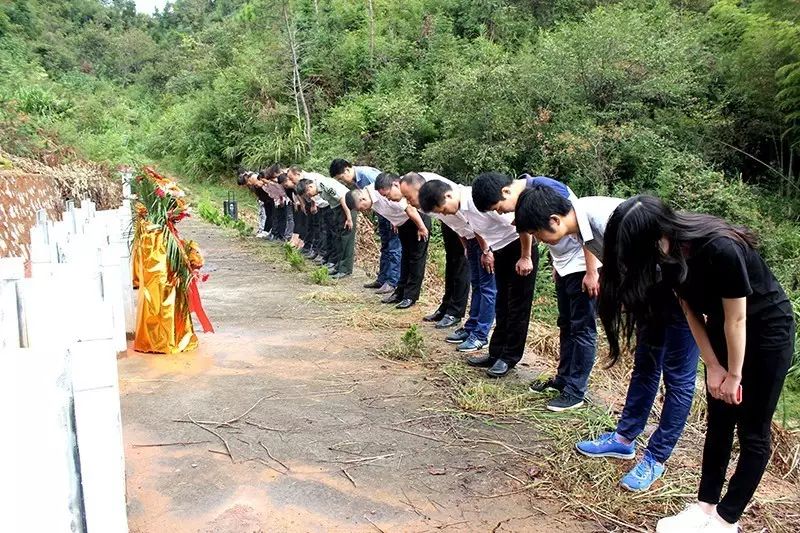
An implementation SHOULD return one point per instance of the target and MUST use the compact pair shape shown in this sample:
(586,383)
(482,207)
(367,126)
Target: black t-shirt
(262,195)
(726,268)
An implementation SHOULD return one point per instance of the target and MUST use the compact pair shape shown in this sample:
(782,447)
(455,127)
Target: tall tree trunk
(371,33)
(297,83)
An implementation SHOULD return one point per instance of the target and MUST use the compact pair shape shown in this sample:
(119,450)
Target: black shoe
(447,321)
(483,361)
(436,316)
(391,299)
(499,369)
(373,285)
(405,303)
(548,385)
(458,336)
(564,402)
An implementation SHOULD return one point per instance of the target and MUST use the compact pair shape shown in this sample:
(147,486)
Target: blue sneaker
(472,344)
(606,446)
(458,336)
(644,474)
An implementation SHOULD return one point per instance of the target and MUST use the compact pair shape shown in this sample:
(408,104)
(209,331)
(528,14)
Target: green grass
(213,214)
(320,276)
(294,257)
(410,346)
(788,412)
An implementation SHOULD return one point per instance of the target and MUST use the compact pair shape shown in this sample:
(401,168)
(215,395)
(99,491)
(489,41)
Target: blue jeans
(484,294)
(391,252)
(673,353)
(578,334)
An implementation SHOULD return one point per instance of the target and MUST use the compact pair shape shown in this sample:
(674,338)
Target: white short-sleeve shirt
(394,212)
(458,222)
(593,213)
(496,229)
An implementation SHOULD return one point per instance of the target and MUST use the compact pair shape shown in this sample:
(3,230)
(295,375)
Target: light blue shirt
(365,176)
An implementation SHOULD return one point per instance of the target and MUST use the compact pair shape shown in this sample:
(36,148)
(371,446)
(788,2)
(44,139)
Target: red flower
(160,192)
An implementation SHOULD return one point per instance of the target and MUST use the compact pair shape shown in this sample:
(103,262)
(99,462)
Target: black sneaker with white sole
(546,385)
(564,402)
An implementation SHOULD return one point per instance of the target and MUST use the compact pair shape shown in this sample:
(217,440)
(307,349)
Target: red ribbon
(193,293)
(196,307)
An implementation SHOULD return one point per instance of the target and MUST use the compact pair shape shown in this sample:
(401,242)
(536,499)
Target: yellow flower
(196,261)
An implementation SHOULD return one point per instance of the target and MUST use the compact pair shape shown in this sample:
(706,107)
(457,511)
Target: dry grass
(364,317)
(368,249)
(590,487)
(332,295)
(75,179)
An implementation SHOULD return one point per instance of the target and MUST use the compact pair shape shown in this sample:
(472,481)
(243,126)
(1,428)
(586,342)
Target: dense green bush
(696,100)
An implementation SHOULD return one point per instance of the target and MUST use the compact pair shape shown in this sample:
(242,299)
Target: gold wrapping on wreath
(163,320)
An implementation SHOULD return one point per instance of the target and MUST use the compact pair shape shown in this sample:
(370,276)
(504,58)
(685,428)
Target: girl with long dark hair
(741,319)
(664,343)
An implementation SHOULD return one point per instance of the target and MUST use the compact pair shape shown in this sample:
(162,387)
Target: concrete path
(323,435)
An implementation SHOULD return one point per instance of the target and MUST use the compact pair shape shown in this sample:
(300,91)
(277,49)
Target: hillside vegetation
(695,100)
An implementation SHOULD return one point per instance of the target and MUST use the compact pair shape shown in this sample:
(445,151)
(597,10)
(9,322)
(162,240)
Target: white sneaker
(691,520)
(261,235)
(717,525)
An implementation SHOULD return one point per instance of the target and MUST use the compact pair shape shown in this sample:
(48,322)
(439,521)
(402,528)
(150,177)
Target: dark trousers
(335,220)
(269,210)
(456,275)
(326,236)
(513,304)
(412,262)
(283,222)
(345,240)
(314,233)
(577,334)
(673,353)
(301,224)
(763,374)
(391,253)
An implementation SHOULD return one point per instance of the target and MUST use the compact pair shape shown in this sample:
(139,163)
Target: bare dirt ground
(323,435)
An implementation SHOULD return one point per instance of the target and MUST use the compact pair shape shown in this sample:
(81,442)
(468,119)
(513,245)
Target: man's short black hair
(384,181)
(431,195)
(338,166)
(535,206)
(350,198)
(302,186)
(487,189)
(242,178)
(283,178)
(296,169)
(413,178)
